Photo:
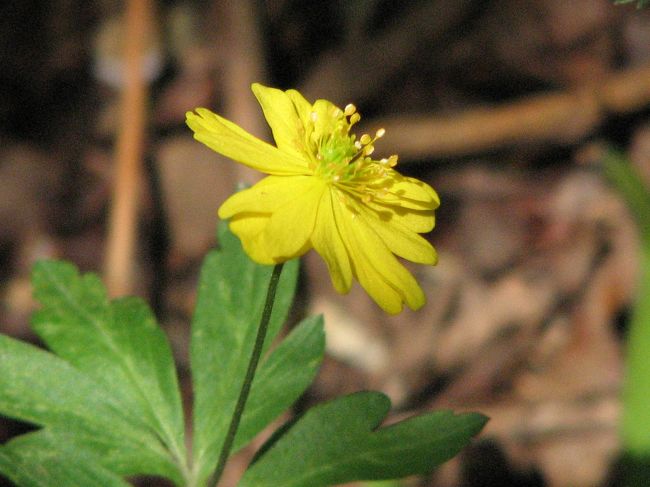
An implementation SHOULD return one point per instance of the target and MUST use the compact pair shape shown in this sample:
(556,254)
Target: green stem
(250,374)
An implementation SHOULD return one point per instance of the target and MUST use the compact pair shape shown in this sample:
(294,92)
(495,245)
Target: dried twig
(559,118)
(121,238)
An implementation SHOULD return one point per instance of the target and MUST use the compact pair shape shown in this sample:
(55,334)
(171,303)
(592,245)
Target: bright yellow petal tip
(324,191)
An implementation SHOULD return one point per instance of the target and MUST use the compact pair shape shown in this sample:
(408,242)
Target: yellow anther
(380,133)
(354,118)
(369,149)
(349,109)
(365,139)
(357,144)
(392,161)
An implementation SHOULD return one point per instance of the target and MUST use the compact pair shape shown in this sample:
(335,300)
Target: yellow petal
(265,217)
(283,118)
(303,107)
(376,268)
(288,232)
(266,196)
(326,239)
(249,227)
(232,141)
(397,237)
(411,193)
(420,221)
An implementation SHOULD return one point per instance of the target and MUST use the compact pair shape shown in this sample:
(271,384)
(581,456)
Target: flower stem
(250,374)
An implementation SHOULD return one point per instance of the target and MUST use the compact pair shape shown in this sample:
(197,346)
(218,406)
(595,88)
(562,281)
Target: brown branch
(121,239)
(560,118)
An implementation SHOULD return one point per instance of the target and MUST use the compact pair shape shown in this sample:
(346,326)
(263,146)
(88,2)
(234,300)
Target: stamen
(344,160)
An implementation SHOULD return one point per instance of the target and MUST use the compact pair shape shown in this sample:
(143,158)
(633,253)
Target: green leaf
(636,414)
(40,388)
(282,378)
(628,182)
(118,344)
(113,390)
(338,442)
(640,3)
(44,459)
(37,387)
(231,295)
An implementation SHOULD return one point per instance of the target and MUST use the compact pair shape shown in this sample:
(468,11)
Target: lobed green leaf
(44,459)
(40,388)
(118,344)
(339,442)
(111,391)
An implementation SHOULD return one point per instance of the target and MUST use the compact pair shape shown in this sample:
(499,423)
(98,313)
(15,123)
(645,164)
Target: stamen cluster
(343,160)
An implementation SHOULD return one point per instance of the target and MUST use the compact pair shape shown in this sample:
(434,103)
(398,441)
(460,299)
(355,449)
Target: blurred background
(505,107)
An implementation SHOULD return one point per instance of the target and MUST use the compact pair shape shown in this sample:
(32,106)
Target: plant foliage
(106,403)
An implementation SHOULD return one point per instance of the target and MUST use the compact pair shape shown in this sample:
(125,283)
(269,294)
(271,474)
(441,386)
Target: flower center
(344,161)
(334,149)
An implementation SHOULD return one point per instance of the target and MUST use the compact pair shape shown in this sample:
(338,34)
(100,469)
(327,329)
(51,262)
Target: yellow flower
(325,192)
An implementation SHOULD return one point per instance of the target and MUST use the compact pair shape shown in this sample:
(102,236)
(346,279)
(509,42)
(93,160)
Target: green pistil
(340,158)
(337,150)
